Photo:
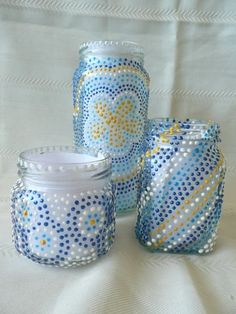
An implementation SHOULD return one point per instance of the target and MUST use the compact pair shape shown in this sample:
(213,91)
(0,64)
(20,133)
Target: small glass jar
(110,98)
(182,186)
(62,206)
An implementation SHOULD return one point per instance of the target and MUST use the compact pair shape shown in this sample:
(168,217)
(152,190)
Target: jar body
(63,223)
(182,187)
(110,94)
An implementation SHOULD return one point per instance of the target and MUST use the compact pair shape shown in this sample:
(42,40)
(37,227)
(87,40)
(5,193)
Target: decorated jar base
(204,247)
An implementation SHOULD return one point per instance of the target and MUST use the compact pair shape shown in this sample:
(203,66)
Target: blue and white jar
(62,206)
(182,186)
(110,96)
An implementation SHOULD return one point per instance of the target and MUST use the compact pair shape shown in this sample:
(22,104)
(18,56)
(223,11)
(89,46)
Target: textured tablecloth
(190,51)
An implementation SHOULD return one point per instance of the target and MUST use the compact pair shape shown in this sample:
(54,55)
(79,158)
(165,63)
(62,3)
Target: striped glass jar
(182,186)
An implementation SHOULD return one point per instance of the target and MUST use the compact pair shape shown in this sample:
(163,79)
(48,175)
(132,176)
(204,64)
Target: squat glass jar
(62,206)
(110,97)
(182,186)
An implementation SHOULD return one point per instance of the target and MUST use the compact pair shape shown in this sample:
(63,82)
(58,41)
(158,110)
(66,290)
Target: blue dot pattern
(62,229)
(110,96)
(182,187)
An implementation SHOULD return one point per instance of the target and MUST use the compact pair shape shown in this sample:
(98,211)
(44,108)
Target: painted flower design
(42,243)
(91,221)
(25,214)
(115,127)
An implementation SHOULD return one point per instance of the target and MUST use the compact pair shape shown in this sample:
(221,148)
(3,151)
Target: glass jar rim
(176,129)
(112,46)
(28,158)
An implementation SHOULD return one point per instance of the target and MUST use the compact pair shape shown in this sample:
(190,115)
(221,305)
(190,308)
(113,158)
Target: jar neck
(112,49)
(176,132)
(63,168)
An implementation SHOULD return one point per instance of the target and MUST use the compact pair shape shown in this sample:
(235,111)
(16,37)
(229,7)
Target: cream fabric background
(190,51)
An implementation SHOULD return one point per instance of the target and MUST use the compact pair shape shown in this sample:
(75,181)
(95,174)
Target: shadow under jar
(62,206)
(182,186)
(110,97)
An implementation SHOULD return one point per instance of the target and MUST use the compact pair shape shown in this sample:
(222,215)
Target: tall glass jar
(182,186)
(62,206)
(110,96)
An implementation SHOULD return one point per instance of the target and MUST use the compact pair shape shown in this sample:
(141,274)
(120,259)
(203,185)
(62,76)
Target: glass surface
(62,206)
(182,186)
(110,95)
(112,48)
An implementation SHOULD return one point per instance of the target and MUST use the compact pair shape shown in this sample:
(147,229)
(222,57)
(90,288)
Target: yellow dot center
(92,222)
(42,242)
(25,213)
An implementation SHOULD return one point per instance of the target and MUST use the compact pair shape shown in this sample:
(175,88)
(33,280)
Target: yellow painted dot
(92,222)
(25,213)
(42,242)
(76,109)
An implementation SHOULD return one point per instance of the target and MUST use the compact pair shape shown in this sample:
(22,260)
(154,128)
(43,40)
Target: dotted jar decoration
(182,186)
(110,95)
(62,206)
